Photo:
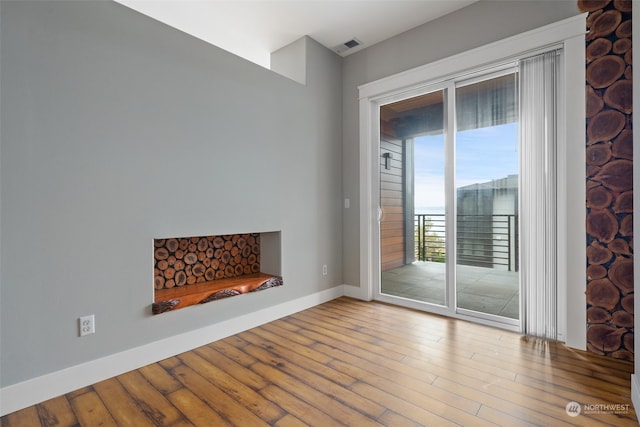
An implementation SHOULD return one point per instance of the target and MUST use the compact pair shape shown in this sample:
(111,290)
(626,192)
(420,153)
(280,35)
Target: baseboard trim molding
(36,390)
(635,393)
(356,292)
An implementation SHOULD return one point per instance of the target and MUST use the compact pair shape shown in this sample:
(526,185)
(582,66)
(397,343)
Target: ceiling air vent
(341,48)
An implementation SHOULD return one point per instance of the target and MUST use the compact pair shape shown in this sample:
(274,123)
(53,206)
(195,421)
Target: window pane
(488,103)
(412,198)
(487,197)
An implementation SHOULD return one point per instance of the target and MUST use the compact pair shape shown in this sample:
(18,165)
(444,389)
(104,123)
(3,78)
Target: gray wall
(117,129)
(474,26)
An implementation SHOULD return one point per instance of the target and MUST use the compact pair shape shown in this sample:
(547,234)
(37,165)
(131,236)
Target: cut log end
(599,154)
(622,5)
(605,126)
(602,225)
(161,254)
(599,197)
(627,303)
(158,282)
(619,247)
(621,274)
(592,5)
(597,48)
(605,24)
(594,102)
(622,319)
(602,293)
(626,226)
(624,30)
(621,46)
(628,340)
(172,245)
(605,70)
(596,271)
(597,254)
(598,315)
(616,175)
(624,203)
(605,338)
(619,96)
(622,147)
(623,355)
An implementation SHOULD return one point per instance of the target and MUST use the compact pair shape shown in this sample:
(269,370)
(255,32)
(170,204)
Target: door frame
(567,34)
(449,307)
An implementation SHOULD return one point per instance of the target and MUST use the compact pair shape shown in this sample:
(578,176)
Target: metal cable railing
(482,240)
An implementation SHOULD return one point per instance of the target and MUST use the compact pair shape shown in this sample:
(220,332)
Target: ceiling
(254,29)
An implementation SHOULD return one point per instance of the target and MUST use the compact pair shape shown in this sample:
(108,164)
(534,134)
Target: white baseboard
(36,390)
(635,393)
(357,292)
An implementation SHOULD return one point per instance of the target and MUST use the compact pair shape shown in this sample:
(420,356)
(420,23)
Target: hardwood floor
(348,362)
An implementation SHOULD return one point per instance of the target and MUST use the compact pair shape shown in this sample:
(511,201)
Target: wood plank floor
(348,362)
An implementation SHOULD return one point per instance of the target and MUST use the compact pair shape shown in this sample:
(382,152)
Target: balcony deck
(481,289)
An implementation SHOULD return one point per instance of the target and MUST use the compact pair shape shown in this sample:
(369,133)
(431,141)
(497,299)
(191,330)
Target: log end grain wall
(609,169)
(197,270)
(191,260)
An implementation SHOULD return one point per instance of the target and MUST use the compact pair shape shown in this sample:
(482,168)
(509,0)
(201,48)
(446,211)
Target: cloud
(482,155)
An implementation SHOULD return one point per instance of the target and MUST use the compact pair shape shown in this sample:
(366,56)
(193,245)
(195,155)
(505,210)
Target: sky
(482,155)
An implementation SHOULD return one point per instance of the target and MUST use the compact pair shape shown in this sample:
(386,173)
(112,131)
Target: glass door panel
(412,199)
(487,165)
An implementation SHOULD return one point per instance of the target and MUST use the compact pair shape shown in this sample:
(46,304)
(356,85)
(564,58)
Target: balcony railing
(482,240)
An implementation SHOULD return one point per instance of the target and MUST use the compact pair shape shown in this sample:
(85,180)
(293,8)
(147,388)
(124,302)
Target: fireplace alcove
(198,270)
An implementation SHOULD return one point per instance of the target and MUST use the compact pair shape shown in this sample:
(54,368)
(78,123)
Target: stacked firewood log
(609,157)
(185,261)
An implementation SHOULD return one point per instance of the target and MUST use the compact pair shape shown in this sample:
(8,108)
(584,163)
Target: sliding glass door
(449,184)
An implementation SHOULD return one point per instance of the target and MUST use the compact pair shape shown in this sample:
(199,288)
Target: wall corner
(291,61)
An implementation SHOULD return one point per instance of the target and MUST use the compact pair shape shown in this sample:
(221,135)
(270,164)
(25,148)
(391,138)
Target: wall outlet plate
(87,325)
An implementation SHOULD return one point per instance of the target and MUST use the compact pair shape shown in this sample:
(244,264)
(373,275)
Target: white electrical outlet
(324,270)
(87,325)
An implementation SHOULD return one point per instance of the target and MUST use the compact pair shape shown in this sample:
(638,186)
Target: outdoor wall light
(387,160)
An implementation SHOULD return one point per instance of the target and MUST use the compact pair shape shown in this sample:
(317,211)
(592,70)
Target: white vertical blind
(538,103)
(490,102)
